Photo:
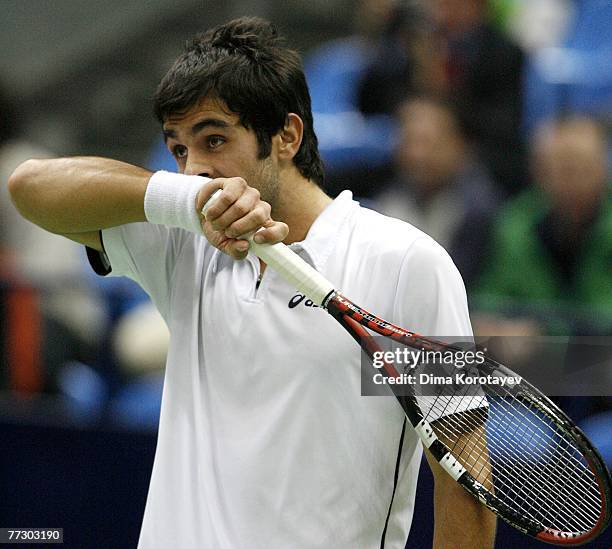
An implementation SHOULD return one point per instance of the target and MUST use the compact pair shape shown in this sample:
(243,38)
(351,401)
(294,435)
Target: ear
(290,137)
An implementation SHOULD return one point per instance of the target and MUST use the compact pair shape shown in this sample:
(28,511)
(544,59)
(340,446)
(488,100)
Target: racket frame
(355,320)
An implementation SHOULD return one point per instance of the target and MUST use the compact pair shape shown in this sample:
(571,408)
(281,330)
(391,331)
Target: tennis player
(264,440)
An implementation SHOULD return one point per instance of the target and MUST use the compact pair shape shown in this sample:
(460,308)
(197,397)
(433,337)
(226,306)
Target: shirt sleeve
(431,298)
(146,253)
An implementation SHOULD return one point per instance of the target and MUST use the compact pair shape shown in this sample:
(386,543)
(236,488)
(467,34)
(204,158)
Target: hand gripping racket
(507,445)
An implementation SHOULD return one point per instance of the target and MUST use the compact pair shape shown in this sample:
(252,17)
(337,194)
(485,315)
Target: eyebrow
(199,126)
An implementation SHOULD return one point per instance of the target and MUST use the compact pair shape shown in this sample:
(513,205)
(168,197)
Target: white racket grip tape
(289,265)
(294,270)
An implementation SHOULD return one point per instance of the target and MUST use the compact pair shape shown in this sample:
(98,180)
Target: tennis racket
(507,444)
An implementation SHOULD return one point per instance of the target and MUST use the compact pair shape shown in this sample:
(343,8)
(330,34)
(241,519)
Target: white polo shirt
(264,440)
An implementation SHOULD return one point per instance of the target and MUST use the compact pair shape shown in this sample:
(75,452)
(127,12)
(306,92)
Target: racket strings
(466,457)
(468,422)
(559,452)
(484,473)
(560,510)
(533,479)
(533,465)
(537,435)
(521,485)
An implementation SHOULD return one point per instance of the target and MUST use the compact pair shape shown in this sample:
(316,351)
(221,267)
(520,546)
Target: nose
(198,167)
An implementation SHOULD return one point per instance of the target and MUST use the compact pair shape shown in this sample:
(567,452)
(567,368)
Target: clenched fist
(238,211)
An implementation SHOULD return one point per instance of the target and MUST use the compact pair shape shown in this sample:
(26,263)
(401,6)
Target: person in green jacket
(551,253)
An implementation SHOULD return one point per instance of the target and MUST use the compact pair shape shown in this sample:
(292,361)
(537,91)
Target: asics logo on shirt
(300,298)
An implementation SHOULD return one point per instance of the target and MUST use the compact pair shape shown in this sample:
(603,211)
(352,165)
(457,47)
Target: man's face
(209,140)
(430,151)
(570,165)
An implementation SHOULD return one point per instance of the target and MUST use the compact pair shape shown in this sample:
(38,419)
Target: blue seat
(347,138)
(598,428)
(85,392)
(577,77)
(137,404)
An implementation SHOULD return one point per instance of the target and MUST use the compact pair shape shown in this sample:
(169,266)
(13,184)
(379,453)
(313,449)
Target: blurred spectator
(552,253)
(440,186)
(480,69)
(391,74)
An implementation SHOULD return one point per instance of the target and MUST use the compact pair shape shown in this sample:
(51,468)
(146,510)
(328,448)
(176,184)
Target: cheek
(248,160)
(237,166)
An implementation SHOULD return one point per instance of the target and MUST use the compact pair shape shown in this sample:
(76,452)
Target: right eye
(179,151)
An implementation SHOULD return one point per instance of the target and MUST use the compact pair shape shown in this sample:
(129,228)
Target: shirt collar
(325,232)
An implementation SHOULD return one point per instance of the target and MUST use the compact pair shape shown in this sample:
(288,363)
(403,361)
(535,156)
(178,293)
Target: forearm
(77,195)
(461,521)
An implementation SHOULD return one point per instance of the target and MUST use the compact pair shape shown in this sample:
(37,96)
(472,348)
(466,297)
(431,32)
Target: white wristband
(170,199)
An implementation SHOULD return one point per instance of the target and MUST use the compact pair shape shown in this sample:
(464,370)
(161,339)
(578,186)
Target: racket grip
(294,270)
(289,265)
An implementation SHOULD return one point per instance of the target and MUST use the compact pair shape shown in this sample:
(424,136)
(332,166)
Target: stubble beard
(267,180)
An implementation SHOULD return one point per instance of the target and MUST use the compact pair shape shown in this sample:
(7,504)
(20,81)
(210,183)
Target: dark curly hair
(245,64)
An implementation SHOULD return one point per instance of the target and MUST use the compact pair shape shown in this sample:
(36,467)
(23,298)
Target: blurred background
(484,123)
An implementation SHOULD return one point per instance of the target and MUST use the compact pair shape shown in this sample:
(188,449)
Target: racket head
(509,446)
